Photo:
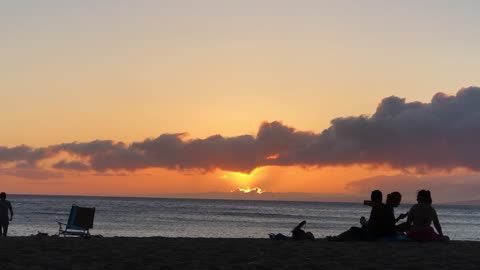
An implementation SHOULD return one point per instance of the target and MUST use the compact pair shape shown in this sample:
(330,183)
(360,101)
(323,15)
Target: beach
(47,252)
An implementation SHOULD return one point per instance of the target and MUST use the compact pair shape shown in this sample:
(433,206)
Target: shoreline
(310,198)
(47,252)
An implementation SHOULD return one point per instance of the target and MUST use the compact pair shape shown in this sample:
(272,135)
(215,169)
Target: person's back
(422,216)
(381,221)
(4,207)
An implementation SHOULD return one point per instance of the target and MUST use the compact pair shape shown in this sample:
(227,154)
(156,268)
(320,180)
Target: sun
(242,180)
(242,176)
(251,190)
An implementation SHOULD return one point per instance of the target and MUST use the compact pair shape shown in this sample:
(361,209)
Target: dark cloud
(105,155)
(233,154)
(439,135)
(285,143)
(13,154)
(25,154)
(89,148)
(71,165)
(37,174)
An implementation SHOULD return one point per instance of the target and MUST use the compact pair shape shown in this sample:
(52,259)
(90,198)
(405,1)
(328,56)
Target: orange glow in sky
(155,182)
(99,72)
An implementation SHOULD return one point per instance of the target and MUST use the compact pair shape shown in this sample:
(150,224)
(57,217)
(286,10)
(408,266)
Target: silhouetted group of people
(382,223)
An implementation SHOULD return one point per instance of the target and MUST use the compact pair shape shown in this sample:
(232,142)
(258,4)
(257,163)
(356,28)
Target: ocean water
(141,217)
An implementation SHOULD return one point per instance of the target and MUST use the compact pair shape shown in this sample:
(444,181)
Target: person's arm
(363,221)
(410,218)
(372,219)
(436,223)
(11,211)
(401,216)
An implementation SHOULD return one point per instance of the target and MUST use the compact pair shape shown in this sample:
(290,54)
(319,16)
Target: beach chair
(79,222)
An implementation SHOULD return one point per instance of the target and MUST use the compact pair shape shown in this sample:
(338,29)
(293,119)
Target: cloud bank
(439,135)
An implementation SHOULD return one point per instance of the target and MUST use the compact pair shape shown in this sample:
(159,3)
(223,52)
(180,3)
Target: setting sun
(242,179)
(251,190)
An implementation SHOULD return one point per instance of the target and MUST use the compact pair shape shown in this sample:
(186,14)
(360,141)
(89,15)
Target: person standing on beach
(5,206)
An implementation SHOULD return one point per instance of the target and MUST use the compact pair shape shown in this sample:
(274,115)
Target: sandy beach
(43,252)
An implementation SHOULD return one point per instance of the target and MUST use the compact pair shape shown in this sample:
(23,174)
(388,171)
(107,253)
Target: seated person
(393,201)
(420,218)
(378,225)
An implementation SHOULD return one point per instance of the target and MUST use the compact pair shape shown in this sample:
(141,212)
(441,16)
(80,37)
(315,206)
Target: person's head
(376,196)
(3,196)
(394,199)
(424,196)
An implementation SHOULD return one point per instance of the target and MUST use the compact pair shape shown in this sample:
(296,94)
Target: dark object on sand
(79,222)
(299,234)
(278,236)
(299,226)
(40,234)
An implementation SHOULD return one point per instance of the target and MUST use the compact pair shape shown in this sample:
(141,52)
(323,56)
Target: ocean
(143,217)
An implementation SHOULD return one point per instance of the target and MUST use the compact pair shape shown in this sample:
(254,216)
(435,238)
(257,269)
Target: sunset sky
(148,98)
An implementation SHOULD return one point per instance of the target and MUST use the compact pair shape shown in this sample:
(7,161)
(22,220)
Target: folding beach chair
(79,222)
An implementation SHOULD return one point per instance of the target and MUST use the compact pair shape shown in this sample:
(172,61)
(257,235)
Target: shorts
(4,221)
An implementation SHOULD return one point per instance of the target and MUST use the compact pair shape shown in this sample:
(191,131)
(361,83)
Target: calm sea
(214,218)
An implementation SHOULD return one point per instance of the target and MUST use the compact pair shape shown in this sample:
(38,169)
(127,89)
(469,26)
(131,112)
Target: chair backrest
(80,218)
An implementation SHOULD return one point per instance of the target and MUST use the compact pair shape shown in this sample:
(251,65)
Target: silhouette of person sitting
(393,200)
(420,218)
(378,225)
(5,206)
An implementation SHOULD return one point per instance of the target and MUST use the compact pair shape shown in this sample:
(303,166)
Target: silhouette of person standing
(5,206)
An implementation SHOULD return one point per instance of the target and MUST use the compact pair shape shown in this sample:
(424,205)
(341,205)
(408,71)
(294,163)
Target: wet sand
(43,252)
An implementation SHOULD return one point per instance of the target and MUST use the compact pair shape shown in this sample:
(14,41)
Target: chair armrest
(60,229)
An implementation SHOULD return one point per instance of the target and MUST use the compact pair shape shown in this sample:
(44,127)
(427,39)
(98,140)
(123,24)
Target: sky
(149,98)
